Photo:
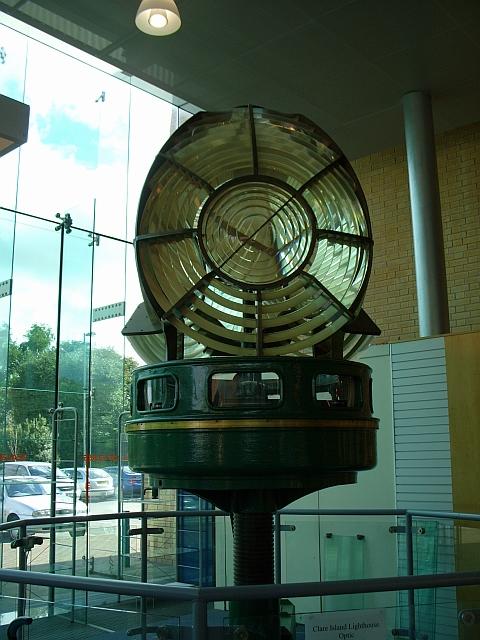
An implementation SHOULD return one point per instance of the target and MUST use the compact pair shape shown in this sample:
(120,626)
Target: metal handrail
(96,517)
(244,592)
(444,515)
(125,515)
(200,596)
(415,513)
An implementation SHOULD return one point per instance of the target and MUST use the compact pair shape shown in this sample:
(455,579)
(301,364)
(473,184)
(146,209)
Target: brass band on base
(252,424)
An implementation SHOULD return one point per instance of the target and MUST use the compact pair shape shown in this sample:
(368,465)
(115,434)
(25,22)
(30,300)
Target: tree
(31,375)
(30,440)
(31,394)
(39,339)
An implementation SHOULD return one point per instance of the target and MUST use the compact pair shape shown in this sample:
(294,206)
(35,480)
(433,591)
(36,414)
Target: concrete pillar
(426,215)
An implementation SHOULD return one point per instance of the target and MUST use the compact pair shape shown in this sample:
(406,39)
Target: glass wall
(68,283)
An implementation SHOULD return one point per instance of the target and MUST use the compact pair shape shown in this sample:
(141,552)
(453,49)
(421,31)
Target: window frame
(236,406)
(358,392)
(141,390)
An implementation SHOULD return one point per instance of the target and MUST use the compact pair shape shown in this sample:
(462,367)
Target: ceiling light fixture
(158,17)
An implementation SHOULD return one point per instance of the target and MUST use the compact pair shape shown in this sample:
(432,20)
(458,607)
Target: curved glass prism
(253,234)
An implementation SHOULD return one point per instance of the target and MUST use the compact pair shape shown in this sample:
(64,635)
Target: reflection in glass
(90,145)
(337,391)
(245,388)
(157,393)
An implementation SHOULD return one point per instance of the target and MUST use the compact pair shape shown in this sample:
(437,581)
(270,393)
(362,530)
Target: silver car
(39,470)
(23,497)
(100,483)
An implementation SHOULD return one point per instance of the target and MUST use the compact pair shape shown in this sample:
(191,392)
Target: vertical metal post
(126,543)
(144,572)
(87,406)
(199,620)
(56,404)
(22,565)
(56,413)
(85,394)
(202,522)
(277,548)
(120,528)
(53,507)
(426,215)
(410,572)
(74,506)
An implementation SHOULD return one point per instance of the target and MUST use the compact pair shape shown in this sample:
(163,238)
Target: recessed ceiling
(343,63)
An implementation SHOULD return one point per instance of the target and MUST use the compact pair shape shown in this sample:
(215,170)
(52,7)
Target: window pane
(151,122)
(59,164)
(157,393)
(6,252)
(75,332)
(239,388)
(33,320)
(341,391)
(13,51)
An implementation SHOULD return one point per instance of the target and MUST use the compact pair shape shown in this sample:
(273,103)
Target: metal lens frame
(253,234)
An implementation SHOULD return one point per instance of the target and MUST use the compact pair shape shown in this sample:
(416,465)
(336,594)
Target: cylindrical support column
(426,215)
(253,564)
(200,620)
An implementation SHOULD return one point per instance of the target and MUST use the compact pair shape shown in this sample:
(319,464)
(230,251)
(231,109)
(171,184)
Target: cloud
(83,151)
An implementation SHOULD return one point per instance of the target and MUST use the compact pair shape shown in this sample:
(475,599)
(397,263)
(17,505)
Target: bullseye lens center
(256,233)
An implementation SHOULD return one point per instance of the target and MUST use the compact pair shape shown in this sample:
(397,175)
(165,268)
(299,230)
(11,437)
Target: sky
(92,139)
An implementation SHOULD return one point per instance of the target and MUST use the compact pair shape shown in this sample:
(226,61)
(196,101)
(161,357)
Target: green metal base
(263,500)
(251,459)
(291,426)
(311,428)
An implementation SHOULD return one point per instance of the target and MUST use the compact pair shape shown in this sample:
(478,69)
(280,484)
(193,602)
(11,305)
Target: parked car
(41,470)
(28,497)
(100,483)
(131,481)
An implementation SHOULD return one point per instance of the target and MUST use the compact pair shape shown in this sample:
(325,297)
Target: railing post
(22,565)
(143,572)
(199,620)
(120,527)
(53,506)
(74,504)
(58,414)
(410,572)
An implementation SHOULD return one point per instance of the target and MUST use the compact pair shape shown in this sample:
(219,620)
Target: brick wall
(391,296)
(162,548)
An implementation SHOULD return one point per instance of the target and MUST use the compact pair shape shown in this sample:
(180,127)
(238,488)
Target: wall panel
(423,473)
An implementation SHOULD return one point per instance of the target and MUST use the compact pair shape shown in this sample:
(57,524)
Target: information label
(346,625)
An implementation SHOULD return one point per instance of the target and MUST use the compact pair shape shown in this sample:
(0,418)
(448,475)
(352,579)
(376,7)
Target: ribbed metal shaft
(253,548)
(253,564)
